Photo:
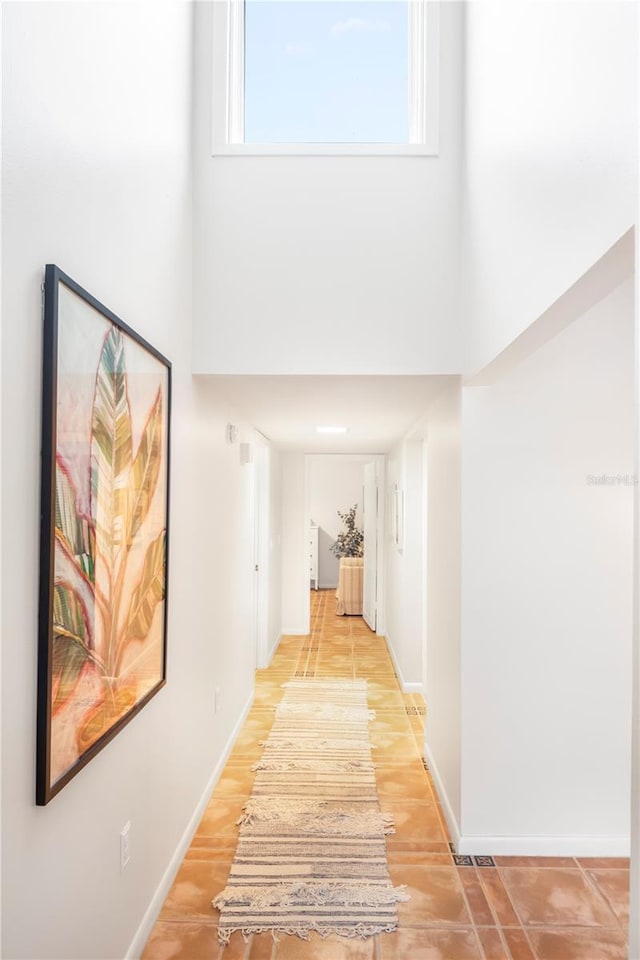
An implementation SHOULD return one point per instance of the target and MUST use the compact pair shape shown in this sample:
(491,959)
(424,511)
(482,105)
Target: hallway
(504,909)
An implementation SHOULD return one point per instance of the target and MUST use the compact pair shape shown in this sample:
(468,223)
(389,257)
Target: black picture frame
(104,530)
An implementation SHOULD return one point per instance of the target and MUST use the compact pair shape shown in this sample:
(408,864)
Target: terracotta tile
(334,659)
(414,820)
(545,896)
(614,887)
(400,746)
(219,819)
(478,904)
(258,726)
(493,946)
(377,696)
(196,883)
(416,853)
(498,897)
(269,692)
(333,948)
(398,784)
(244,755)
(578,944)
(236,949)
(234,782)
(390,723)
(424,846)
(431,944)
(393,746)
(518,944)
(535,862)
(409,766)
(182,941)
(250,741)
(262,946)
(326,673)
(373,668)
(611,863)
(263,712)
(435,893)
(212,848)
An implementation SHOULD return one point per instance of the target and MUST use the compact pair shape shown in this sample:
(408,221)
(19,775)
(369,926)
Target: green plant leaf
(143,477)
(68,661)
(68,614)
(147,595)
(111,449)
(76,529)
(70,577)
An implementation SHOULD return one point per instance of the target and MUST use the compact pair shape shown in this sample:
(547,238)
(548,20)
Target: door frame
(380,461)
(261,527)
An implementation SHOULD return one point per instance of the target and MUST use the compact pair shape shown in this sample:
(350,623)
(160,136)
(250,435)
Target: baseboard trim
(294,632)
(545,846)
(408,686)
(273,649)
(450,817)
(155,906)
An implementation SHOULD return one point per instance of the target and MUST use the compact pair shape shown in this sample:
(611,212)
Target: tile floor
(522,908)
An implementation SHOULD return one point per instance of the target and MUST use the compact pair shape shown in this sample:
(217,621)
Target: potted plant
(350,541)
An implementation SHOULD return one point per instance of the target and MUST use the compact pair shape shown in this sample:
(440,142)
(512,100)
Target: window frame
(228,91)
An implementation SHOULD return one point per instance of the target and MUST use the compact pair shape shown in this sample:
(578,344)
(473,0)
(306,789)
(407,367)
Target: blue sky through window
(326,71)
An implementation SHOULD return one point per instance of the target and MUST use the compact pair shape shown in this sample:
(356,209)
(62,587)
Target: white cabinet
(313,555)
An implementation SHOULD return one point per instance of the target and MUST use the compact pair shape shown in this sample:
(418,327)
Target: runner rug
(311,853)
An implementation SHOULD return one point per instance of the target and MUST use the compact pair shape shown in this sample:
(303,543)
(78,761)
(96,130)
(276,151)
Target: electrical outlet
(216,699)
(125,845)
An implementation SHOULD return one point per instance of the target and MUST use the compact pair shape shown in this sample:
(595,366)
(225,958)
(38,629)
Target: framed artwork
(104,530)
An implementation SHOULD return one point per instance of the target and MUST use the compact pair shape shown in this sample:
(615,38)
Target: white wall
(351,263)
(443,730)
(547,590)
(550,156)
(295,570)
(634,885)
(334,482)
(404,568)
(96,178)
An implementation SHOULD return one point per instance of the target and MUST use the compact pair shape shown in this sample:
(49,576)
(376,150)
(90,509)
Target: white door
(370,526)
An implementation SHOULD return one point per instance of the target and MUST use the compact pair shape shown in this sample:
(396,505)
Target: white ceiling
(378,410)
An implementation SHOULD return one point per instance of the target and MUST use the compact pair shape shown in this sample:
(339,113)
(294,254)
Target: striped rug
(311,853)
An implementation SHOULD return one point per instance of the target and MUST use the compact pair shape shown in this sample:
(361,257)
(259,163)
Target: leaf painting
(108,577)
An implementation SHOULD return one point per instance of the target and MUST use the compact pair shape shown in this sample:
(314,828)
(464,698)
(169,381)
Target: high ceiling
(377,410)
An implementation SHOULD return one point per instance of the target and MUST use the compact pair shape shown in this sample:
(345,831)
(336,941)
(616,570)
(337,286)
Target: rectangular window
(325,77)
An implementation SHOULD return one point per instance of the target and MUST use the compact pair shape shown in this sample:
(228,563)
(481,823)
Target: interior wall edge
(408,686)
(606,274)
(450,817)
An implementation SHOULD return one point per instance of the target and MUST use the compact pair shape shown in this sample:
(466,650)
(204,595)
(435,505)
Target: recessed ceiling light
(331,429)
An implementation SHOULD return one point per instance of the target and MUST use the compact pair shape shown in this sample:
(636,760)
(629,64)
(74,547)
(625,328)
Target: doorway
(335,483)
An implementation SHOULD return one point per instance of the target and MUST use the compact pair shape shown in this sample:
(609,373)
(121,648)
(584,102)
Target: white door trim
(261,520)
(380,460)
